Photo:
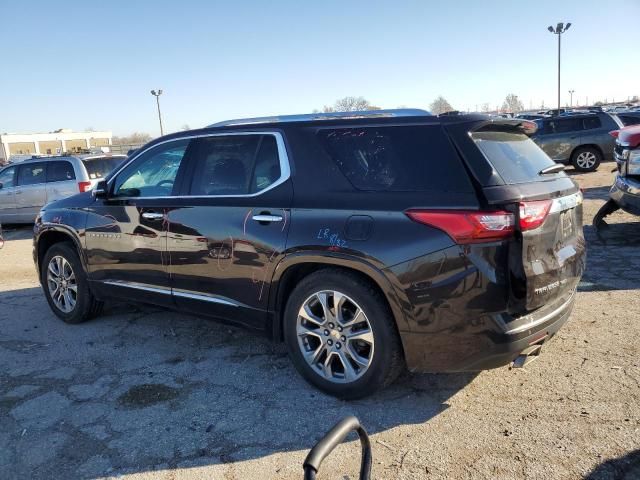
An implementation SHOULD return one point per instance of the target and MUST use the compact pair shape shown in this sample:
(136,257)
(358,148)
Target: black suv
(368,242)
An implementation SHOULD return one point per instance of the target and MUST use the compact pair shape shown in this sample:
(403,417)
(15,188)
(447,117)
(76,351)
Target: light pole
(571,92)
(157,95)
(559,30)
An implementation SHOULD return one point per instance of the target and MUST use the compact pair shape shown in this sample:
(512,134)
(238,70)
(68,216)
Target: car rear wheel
(65,285)
(586,159)
(341,335)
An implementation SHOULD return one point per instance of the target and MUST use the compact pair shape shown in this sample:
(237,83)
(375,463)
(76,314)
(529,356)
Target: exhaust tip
(527,356)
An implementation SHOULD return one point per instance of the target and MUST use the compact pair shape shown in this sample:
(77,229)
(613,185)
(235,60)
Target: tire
(62,257)
(607,209)
(586,159)
(374,355)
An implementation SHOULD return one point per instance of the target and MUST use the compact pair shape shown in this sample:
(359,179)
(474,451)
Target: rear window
(515,157)
(405,158)
(101,167)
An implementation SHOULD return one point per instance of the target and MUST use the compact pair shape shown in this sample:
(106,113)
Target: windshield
(100,167)
(515,157)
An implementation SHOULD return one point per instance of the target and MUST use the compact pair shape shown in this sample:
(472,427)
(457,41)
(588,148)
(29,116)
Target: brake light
(84,186)
(614,133)
(467,226)
(533,214)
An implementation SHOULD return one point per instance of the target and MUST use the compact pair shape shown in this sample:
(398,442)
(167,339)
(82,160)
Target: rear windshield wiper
(558,167)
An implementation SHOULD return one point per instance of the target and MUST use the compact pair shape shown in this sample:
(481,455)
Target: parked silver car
(27,186)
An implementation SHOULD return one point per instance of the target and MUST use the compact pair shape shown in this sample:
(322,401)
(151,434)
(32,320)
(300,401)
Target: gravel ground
(146,393)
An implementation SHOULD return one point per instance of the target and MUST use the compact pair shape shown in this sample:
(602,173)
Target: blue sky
(79,64)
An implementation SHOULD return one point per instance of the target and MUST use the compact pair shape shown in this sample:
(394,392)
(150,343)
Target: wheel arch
(294,267)
(53,234)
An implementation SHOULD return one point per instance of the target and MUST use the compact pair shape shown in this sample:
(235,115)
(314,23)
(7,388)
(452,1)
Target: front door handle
(18,192)
(152,216)
(267,218)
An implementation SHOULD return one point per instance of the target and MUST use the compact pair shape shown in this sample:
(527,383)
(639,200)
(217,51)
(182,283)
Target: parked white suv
(27,186)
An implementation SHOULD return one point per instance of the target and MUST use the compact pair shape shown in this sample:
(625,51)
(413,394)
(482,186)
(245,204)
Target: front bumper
(626,193)
(491,347)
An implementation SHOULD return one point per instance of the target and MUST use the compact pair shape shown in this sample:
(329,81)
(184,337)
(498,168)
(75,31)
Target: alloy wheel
(586,160)
(335,336)
(62,284)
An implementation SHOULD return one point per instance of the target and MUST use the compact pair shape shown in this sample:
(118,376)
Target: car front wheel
(65,285)
(341,336)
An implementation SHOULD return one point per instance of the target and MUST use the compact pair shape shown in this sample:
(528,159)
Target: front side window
(154,173)
(6,177)
(31,174)
(235,164)
(60,171)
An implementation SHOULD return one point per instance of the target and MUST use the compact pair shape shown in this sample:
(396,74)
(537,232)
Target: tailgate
(553,254)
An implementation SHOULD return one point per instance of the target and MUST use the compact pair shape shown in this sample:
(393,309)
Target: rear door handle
(18,192)
(152,216)
(267,218)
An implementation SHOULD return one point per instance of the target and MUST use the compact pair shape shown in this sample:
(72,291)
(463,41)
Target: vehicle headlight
(633,162)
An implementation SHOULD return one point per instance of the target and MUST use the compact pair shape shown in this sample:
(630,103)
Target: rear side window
(60,171)
(31,174)
(402,158)
(101,167)
(235,164)
(567,125)
(591,123)
(515,157)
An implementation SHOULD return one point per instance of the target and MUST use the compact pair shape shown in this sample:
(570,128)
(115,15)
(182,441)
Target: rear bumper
(481,349)
(626,193)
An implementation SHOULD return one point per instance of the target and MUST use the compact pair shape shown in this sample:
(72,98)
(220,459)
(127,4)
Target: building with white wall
(60,141)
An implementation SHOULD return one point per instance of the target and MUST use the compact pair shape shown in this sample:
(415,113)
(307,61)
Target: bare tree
(185,127)
(350,104)
(486,108)
(440,105)
(136,138)
(512,104)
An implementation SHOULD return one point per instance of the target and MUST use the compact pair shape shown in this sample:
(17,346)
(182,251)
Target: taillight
(84,186)
(614,133)
(533,214)
(466,226)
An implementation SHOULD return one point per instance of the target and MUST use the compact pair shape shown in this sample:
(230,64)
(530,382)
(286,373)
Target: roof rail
(399,112)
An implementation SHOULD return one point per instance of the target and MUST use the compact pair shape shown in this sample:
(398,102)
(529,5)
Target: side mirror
(101,190)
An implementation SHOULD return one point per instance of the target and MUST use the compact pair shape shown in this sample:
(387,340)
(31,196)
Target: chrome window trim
(285,168)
